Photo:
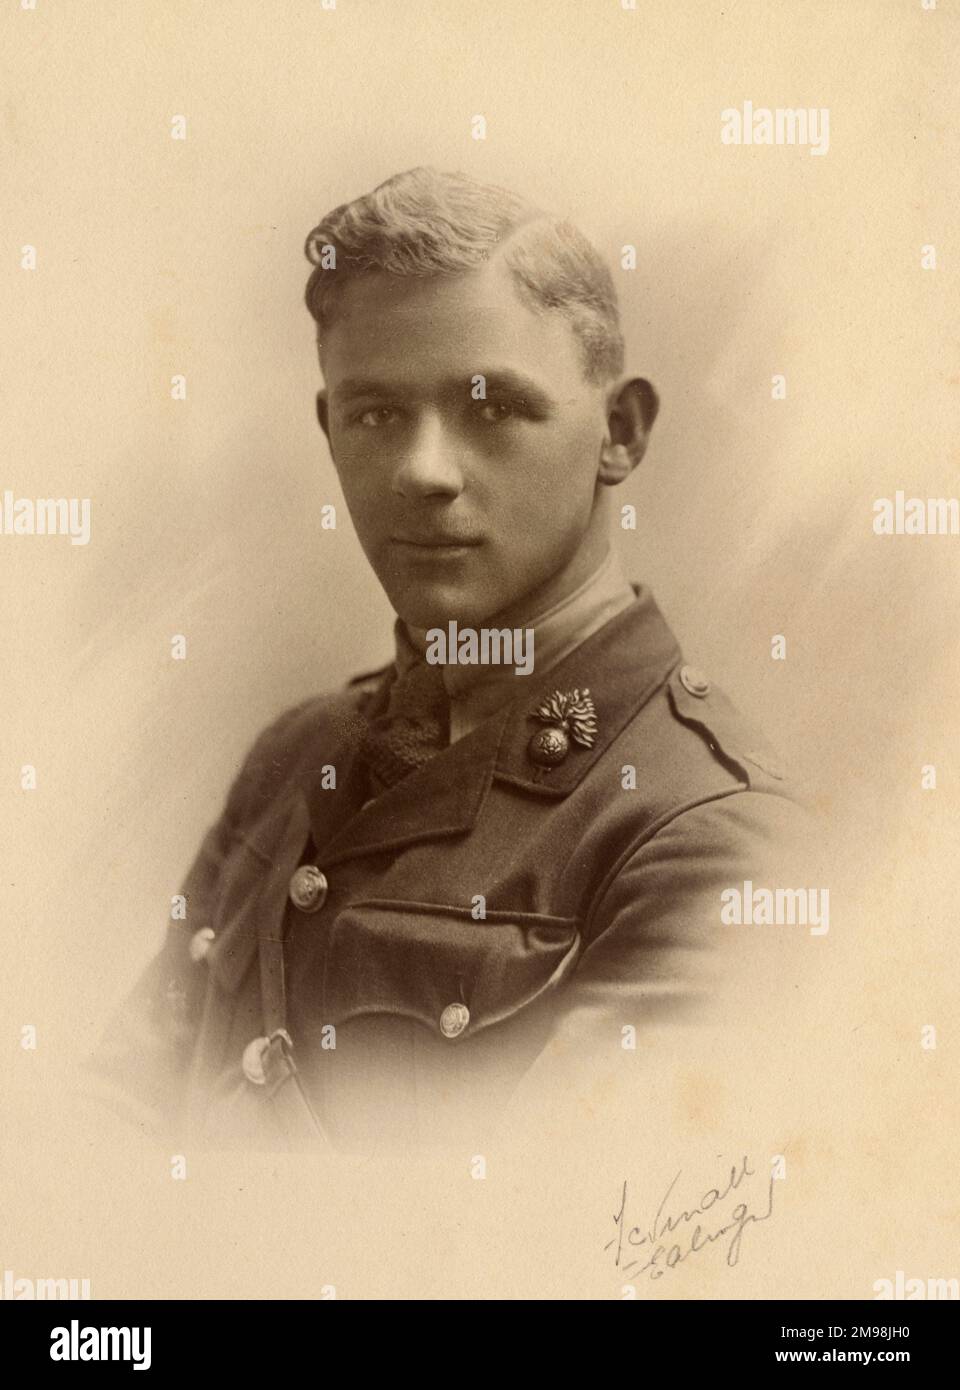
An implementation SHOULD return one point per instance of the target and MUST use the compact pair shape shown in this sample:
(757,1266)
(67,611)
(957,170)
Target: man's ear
(631,410)
(322,413)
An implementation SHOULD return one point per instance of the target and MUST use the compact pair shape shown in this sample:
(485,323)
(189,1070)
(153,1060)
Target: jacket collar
(622,665)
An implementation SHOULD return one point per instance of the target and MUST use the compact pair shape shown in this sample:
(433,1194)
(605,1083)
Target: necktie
(412,730)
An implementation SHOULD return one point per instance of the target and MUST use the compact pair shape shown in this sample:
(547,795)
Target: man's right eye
(374,417)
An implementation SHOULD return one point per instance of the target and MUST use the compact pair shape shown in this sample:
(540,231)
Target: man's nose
(429,466)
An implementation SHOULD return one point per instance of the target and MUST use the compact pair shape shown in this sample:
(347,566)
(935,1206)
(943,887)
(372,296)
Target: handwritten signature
(664,1255)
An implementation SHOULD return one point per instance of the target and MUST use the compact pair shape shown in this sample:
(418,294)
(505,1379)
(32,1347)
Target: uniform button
(308,888)
(201,942)
(694,681)
(253,1061)
(454,1019)
(260,1054)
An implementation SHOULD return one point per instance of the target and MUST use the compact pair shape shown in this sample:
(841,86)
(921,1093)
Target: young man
(424,887)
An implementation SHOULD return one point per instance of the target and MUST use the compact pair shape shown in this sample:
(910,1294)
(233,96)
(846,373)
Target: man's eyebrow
(502,380)
(509,382)
(362,386)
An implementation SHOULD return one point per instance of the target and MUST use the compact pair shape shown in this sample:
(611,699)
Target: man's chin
(425,618)
(428,606)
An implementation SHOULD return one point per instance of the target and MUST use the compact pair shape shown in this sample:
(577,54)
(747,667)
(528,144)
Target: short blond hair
(424,222)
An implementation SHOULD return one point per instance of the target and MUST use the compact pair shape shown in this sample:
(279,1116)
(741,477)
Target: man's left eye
(499,410)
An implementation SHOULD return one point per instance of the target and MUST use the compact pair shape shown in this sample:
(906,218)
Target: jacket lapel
(440,799)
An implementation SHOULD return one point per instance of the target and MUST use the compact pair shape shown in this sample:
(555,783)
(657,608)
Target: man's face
(464,504)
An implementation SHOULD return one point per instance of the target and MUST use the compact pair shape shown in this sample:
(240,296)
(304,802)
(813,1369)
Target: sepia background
(159,257)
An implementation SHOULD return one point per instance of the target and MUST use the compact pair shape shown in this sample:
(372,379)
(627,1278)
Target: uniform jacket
(475,913)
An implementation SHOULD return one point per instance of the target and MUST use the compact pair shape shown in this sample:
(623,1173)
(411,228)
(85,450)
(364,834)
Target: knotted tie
(412,730)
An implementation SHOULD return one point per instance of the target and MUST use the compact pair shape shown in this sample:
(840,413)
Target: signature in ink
(673,1236)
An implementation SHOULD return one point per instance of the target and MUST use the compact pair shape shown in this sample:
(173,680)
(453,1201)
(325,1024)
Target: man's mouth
(441,542)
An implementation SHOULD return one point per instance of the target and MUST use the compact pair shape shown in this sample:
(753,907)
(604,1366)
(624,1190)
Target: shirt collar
(476,691)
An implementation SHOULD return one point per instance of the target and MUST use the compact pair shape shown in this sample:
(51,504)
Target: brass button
(694,681)
(308,888)
(454,1019)
(201,942)
(262,1053)
(253,1061)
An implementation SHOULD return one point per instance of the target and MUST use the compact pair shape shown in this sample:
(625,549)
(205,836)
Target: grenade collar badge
(567,716)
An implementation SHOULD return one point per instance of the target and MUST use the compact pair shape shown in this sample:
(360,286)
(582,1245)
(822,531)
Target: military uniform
(355,968)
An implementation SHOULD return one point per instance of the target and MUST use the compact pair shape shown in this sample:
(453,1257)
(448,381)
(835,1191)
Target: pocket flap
(416,960)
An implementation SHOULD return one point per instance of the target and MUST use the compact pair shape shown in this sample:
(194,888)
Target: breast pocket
(438,966)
